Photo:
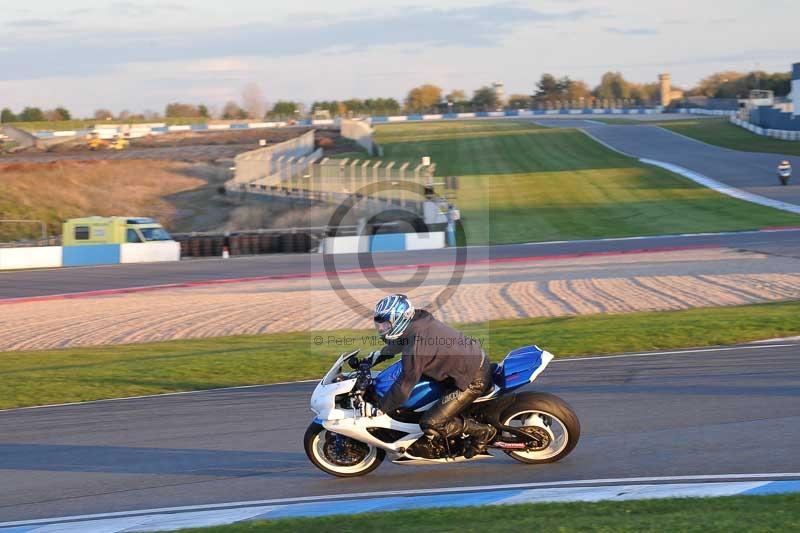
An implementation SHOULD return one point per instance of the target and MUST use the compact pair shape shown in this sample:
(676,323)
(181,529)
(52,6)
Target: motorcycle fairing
(520,367)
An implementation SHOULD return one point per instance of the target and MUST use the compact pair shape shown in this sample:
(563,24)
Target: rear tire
(314,444)
(549,414)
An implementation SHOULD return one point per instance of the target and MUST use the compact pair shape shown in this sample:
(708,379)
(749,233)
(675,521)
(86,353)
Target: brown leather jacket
(434,349)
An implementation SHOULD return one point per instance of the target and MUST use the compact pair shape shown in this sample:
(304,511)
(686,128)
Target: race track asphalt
(735,410)
(33,283)
(751,171)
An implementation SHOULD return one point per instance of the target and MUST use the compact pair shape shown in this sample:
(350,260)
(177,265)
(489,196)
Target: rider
(442,353)
(785,170)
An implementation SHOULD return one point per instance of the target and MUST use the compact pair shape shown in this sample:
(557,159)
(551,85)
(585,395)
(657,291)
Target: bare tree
(103,114)
(253,101)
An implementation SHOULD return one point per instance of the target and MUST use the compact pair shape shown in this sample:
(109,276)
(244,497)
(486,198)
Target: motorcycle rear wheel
(549,417)
(320,455)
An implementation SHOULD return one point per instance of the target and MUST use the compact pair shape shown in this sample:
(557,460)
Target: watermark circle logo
(375,194)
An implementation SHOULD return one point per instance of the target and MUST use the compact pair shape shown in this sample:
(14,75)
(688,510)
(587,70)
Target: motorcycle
(784,175)
(346,439)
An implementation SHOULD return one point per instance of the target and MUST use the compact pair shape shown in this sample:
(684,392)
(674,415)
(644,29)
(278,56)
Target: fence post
(402,176)
(388,176)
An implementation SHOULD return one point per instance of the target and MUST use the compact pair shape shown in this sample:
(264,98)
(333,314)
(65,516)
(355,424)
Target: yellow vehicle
(119,143)
(96,143)
(112,230)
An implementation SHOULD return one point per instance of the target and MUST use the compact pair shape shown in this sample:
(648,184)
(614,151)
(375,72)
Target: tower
(499,92)
(666,89)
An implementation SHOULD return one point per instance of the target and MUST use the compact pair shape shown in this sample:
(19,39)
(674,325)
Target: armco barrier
(758,130)
(149,252)
(30,257)
(91,254)
(134,131)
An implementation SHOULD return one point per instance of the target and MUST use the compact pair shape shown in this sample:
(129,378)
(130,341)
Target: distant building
(499,91)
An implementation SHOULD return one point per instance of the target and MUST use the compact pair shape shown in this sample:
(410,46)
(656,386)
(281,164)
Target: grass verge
(723,133)
(521,182)
(91,373)
(777,512)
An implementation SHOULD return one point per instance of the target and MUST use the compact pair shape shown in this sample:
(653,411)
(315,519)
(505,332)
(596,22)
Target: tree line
(550,91)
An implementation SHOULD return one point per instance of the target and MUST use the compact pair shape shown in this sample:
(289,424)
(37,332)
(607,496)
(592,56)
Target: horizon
(82,58)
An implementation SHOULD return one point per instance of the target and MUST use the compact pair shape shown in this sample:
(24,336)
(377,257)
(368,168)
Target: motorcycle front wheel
(338,455)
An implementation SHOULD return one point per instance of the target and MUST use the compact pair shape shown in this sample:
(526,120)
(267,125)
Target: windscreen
(155,234)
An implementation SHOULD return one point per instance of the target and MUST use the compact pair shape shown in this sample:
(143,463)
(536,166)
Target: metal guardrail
(43,240)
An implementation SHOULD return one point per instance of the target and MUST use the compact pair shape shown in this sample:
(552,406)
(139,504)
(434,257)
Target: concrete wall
(385,242)
(360,131)
(150,252)
(90,254)
(21,137)
(33,257)
(425,241)
(258,164)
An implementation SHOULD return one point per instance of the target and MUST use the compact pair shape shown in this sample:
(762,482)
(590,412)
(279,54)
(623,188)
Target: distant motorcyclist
(784,171)
(431,348)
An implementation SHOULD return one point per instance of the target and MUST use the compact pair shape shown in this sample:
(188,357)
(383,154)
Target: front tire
(547,416)
(359,460)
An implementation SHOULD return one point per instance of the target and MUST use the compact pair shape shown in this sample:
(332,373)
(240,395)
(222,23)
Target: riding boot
(480,434)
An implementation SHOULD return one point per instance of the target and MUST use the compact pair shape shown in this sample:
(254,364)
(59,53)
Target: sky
(142,54)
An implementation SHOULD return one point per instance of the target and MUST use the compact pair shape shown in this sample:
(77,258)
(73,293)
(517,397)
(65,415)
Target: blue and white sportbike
(346,440)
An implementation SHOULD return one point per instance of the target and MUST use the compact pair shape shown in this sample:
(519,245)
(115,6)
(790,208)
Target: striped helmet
(396,309)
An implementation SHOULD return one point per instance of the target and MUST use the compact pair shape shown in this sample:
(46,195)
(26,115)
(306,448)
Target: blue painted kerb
(91,254)
(389,242)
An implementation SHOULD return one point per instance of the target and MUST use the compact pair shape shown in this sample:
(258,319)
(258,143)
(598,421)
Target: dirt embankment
(53,192)
(179,146)
(170,178)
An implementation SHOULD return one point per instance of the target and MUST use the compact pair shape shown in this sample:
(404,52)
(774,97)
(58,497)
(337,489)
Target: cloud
(131,8)
(33,23)
(633,31)
(128,8)
(467,27)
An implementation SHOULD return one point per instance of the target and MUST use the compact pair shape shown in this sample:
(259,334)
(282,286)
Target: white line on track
(417,492)
(676,352)
(562,360)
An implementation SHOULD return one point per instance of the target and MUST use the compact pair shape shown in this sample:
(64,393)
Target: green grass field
(716,131)
(91,373)
(720,132)
(772,513)
(521,183)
